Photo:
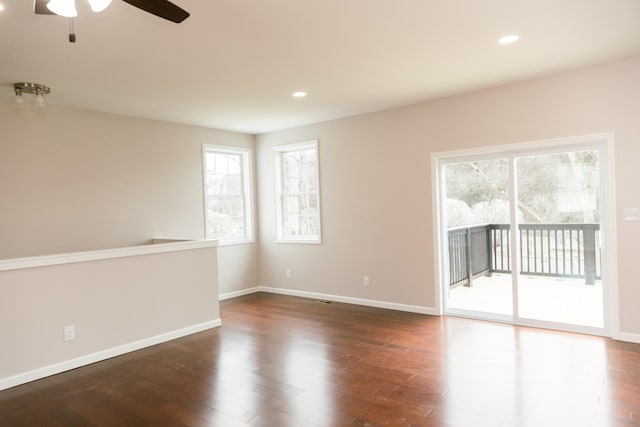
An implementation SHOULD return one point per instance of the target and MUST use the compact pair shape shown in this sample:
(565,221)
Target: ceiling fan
(160,8)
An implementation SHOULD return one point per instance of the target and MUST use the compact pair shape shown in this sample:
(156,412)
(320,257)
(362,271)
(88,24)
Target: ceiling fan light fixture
(99,5)
(34,88)
(19,98)
(39,101)
(164,9)
(63,8)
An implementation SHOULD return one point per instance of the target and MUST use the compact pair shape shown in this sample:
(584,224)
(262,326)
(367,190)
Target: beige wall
(75,180)
(111,302)
(373,163)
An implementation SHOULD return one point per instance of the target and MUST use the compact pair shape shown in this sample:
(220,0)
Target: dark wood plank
(284,361)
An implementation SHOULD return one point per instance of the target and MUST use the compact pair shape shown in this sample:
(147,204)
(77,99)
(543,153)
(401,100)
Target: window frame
(247,189)
(278,151)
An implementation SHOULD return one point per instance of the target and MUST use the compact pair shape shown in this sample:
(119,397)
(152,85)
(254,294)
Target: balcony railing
(558,250)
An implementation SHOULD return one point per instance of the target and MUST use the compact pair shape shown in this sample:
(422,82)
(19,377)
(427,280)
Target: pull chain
(72,32)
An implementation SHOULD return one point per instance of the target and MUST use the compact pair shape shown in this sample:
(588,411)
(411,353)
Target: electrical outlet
(288,272)
(69,333)
(365,281)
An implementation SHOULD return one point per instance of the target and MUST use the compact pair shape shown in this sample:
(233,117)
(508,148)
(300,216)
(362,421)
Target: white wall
(115,304)
(75,180)
(376,181)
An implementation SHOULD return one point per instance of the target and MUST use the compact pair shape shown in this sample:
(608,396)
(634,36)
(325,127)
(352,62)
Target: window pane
(311,203)
(232,185)
(300,171)
(226,206)
(299,207)
(292,205)
(225,216)
(302,225)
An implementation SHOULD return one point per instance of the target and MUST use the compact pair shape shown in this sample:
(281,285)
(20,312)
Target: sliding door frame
(604,144)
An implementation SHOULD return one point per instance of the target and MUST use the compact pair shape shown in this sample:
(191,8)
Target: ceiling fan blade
(161,8)
(40,7)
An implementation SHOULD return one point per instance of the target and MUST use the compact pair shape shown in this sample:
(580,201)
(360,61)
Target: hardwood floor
(285,361)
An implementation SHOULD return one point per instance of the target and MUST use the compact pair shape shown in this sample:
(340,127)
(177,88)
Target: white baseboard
(349,300)
(241,292)
(626,336)
(56,368)
(620,336)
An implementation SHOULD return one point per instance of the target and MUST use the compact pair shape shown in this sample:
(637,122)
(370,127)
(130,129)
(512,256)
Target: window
(227,183)
(298,192)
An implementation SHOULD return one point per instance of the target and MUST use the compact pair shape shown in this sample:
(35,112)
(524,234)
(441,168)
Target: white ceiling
(233,64)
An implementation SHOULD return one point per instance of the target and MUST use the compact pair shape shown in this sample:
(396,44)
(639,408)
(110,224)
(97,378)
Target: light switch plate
(632,214)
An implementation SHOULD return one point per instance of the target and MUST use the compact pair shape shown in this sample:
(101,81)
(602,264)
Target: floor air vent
(322,301)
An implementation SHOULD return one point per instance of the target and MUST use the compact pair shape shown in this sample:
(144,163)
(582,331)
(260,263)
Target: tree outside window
(298,192)
(227,194)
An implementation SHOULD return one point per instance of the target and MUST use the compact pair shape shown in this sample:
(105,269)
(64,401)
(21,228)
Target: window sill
(235,242)
(300,241)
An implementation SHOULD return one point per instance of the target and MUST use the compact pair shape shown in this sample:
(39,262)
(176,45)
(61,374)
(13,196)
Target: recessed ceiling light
(299,94)
(1,7)
(511,38)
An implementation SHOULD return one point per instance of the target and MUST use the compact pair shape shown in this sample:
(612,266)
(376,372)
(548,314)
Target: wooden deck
(554,299)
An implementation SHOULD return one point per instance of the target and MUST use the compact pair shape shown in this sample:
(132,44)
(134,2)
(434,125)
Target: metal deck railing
(558,250)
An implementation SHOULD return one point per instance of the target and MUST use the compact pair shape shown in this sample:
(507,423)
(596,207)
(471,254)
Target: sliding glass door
(476,197)
(521,236)
(560,276)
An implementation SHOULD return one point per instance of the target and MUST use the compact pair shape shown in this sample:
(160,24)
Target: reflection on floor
(281,361)
(541,298)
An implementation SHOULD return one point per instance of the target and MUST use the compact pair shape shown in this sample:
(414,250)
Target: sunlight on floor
(541,298)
